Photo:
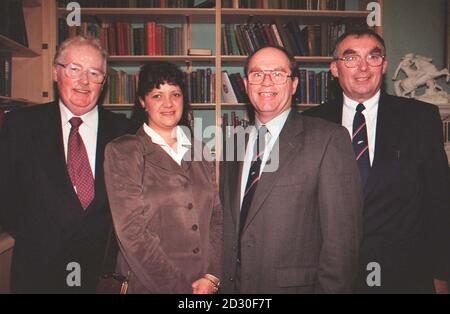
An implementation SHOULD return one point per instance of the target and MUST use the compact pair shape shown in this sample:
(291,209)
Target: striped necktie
(253,175)
(360,143)
(78,165)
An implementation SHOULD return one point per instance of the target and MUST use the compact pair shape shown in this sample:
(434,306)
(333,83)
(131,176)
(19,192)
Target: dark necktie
(360,143)
(78,165)
(253,175)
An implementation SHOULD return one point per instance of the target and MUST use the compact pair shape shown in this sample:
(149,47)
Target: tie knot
(75,122)
(262,130)
(360,108)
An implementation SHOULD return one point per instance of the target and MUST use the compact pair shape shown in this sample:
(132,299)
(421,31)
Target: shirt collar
(182,139)
(370,104)
(88,118)
(275,125)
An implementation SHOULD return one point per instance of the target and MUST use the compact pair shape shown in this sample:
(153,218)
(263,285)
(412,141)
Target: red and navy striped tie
(253,175)
(360,143)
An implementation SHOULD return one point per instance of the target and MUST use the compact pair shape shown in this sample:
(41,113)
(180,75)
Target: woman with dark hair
(163,196)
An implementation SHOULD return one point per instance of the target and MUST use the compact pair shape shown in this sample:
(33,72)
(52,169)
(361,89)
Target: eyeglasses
(75,71)
(277,77)
(353,61)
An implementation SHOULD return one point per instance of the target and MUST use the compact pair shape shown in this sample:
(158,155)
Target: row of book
(5,73)
(298,39)
(233,88)
(122,86)
(313,87)
(131,3)
(260,4)
(124,38)
(201,86)
(289,4)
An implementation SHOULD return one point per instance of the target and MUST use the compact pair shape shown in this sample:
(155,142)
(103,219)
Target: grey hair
(81,41)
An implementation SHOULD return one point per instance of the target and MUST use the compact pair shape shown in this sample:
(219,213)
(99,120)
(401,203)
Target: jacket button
(196,250)
(231,278)
(194,227)
(190,206)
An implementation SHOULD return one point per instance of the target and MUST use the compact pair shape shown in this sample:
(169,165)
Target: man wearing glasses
(51,184)
(398,146)
(295,228)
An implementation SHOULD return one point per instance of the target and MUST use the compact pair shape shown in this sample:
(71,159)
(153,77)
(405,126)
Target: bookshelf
(30,81)
(202,28)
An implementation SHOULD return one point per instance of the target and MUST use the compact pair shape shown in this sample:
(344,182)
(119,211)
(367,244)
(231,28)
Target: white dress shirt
(370,114)
(182,143)
(274,128)
(88,132)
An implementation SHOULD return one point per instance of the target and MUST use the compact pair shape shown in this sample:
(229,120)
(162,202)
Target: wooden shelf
(6,100)
(292,12)
(300,59)
(17,49)
(236,15)
(166,14)
(139,59)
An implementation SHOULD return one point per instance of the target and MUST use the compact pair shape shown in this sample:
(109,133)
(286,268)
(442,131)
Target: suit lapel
(105,133)
(52,157)
(288,142)
(156,156)
(386,143)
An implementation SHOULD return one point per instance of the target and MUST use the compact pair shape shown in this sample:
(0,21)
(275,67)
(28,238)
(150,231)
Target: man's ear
(334,70)
(245,84)
(55,73)
(294,85)
(385,65)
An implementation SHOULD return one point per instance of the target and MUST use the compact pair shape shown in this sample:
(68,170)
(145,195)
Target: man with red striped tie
(52,190)
(398,146)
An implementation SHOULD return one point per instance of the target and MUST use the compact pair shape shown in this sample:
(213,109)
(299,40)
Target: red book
(158,40)
(150,29)
(112,39)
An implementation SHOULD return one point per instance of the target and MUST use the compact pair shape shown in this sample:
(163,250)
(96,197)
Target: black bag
(111,283)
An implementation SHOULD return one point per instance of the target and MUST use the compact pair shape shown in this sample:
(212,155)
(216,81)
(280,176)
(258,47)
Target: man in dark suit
(52,191)
(399,147)
(291,224)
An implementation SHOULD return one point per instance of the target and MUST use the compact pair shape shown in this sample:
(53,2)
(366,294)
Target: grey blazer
(303,230)
(167,218)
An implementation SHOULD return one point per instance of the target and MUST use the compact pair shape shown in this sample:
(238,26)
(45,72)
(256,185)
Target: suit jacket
(303,229)
(406,197)
(168,219)
(39,205)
